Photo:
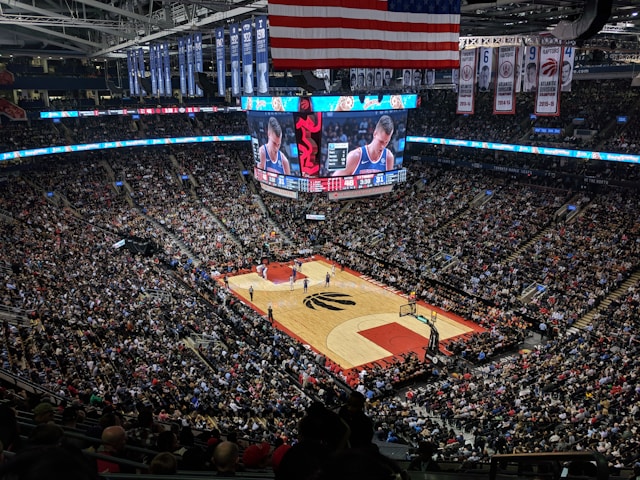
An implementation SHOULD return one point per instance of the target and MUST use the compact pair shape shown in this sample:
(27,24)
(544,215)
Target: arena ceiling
(93,29)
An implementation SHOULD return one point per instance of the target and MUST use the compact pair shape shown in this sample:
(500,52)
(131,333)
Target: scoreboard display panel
(328,144)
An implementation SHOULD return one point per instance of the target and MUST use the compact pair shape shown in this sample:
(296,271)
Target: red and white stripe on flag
(504,101)
(467,79)
(309,34)
(548,91)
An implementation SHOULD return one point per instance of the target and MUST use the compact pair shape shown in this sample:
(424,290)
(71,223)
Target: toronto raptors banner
(182,63)
(467,81)
(152,69)
(132,73)
(504,101)
(566,73)
(234,43)
(166,63)
(262,55)
(485,70)
(548,97)
(221,62)
(530,66)
(191,78)
(198,60)
(247,57)
(160,69)
(141,71)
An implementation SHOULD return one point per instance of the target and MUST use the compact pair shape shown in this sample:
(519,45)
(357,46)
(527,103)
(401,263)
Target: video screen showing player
(363,142)
(274,142)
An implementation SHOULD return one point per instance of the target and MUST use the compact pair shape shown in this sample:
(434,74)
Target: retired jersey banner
(467,81)
(566,74)
(160,69)
(166,62)
(247,57)
(530,69)
(191,79)
(311,34)
(262,55)
(141,71)
(133,86)
(234,39)
(548,97)
(152,69)
(182,62)
(485,69)
(504,101)
(197,60)
(221,62)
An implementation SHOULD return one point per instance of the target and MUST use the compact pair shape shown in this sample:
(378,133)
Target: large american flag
(309,34)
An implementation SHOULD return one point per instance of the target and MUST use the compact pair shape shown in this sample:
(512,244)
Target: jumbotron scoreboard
(317,134)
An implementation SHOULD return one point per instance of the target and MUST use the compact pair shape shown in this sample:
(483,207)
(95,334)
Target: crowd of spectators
(104,327)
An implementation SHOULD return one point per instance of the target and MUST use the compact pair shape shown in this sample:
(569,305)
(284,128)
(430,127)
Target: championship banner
(466,90)
(566,74)
(166,61)
(530,69)
(197,53)
(485,69)
(504,101)
(262,55)
(220,61)
(548,98)
(247,57)
(191,81)
(152,69)
(132,73)
(182,62)
(141,70)
(234,38)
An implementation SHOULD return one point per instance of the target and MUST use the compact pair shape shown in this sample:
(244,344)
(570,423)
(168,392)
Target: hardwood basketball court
(354,321)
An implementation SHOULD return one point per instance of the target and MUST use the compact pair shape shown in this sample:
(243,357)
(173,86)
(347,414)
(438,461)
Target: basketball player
(374,157)
(271,158)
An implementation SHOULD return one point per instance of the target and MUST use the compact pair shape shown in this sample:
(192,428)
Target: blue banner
(191,84)
(262,55)
(152,69)
(131,72)
(234,37)
(247,57)
(166,60)
(220,61)
(182,62)
(141,70)
(197,53)
(159,70)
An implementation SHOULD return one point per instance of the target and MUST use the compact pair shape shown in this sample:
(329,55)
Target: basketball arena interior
(290,240)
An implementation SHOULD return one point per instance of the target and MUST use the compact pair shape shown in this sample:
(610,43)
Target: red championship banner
(504,101)
(548,92)
(6,77)
(467,80)
(11,110)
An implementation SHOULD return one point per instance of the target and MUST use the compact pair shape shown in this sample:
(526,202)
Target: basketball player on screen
(271,158)
(374,157)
